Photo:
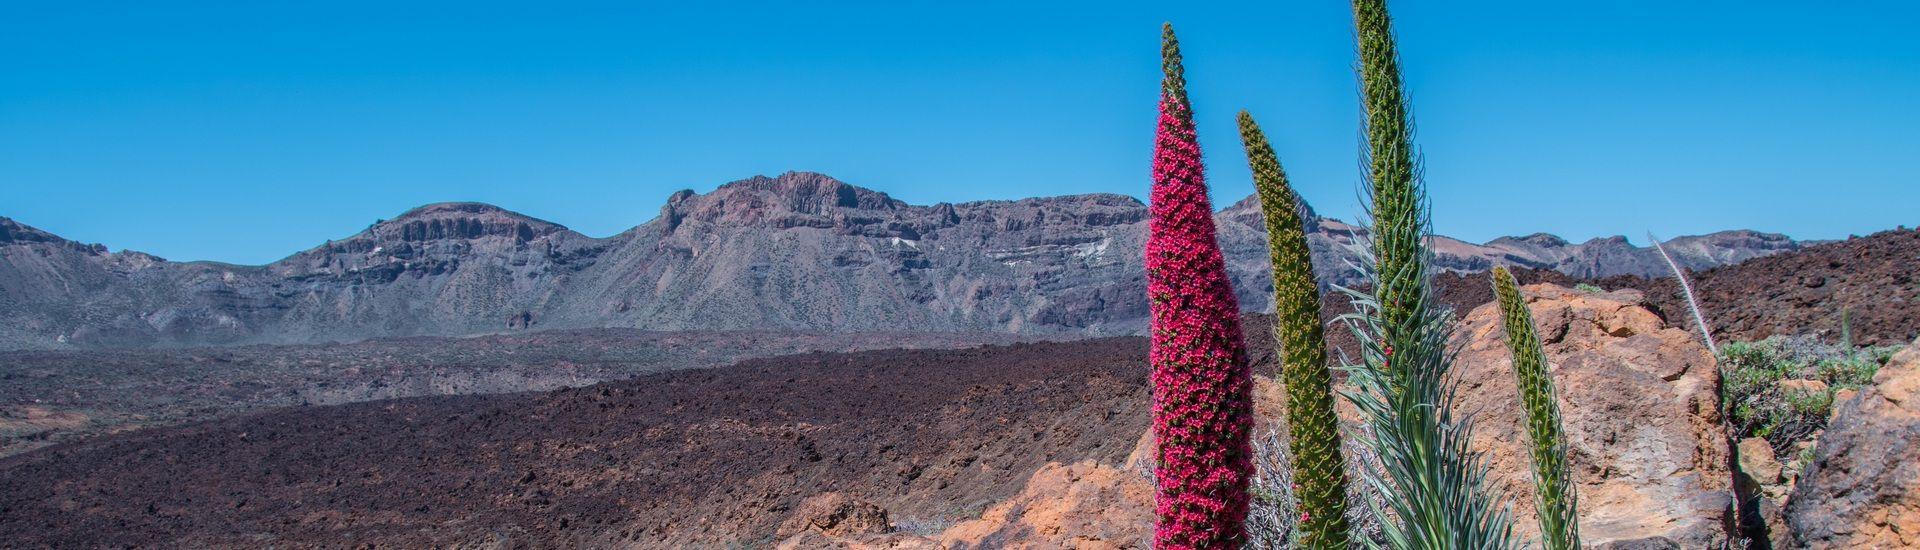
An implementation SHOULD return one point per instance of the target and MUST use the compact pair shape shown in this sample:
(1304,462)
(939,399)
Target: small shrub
(1589,289)
(1273,516)
(1760,405)
(925,526)
(1272,519)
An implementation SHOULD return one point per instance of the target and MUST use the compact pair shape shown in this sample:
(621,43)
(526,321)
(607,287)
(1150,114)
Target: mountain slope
(441,269)
(797,251)
(1863,287)
(448,268)
(805,250)
(54,292)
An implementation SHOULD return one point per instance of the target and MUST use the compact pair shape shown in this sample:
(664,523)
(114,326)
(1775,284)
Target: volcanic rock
(835,515)
(1650,464)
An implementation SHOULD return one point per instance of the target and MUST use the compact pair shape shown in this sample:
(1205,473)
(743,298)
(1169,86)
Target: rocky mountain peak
(1746,238)
(460,221)
(16,232)
(1252,204)
(1726,247)
(807,192)
(461,207)
(1536,239)
(792,199)
(13,232)
(1248,211)
(435,240)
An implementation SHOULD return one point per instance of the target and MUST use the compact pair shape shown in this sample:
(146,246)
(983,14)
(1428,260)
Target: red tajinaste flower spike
(1202,396)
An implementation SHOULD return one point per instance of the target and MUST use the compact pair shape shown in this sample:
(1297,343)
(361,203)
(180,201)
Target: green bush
(1761,403)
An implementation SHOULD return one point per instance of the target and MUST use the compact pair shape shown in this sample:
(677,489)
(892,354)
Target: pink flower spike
(1203,407)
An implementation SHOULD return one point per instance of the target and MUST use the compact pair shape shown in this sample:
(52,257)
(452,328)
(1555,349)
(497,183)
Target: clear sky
(248,131)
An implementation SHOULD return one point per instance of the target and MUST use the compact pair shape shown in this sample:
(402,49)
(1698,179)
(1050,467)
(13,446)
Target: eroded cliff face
(804,250)
(441,269)
(796,251)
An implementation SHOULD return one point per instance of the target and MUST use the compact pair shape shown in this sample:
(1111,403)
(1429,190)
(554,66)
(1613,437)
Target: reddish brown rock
(814,540)
(1758,461)
(1648,451)
(1805,387)
(1084,506)
(835,514)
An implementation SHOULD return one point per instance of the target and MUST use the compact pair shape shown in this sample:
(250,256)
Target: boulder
(1862,489)
(1637,397)
(815,540)
(833,515)
(1764,475)
(1757,460)
(1083,506)
(1840,396)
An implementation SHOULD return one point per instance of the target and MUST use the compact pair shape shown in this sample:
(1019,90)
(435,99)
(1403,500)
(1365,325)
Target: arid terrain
(1873,282)
(959,276)
(696,457)
(52,396)
(1870,281)
(619,436)
(725,457)
(61,395)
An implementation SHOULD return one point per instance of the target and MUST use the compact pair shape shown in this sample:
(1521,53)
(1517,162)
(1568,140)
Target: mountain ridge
(797,250)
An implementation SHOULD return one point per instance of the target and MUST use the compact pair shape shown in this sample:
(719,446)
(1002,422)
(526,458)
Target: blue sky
(248,131)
